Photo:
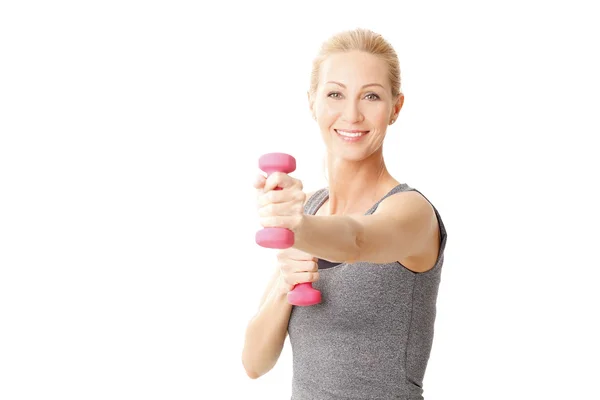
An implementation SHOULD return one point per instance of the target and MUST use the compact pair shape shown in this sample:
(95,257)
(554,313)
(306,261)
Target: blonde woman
(373,246)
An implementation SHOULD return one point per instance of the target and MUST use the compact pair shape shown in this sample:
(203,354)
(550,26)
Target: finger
(293,266)
(282,196)
(280,180)
(302,277)
(292,253)
(296,254)
(276,196)
(280,209)
(291,222)
(310,266)
(259,181)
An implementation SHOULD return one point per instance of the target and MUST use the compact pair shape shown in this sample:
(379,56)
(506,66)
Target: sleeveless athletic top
(371,335)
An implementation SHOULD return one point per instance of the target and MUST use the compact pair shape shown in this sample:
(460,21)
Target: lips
(350,132)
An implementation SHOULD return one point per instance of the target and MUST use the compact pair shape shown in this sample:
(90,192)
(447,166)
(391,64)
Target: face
(353,104)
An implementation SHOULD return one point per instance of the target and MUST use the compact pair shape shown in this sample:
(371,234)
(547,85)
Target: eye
(337,95)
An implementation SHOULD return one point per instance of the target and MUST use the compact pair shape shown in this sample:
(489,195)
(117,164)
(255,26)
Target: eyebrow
(364,86)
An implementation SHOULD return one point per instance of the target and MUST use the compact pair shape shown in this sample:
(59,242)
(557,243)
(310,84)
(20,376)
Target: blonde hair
(362,40)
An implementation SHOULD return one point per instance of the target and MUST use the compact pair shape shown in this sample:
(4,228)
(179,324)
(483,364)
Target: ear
(397,107)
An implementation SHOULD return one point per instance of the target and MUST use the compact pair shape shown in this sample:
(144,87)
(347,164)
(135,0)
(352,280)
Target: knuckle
(283,267)
(282,256)
(278,176)
(292,253)
(266,222)
(263,211)
(265,199)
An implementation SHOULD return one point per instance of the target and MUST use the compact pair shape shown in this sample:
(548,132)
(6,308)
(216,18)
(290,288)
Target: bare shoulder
(418,213)
(405,204)
(404,228)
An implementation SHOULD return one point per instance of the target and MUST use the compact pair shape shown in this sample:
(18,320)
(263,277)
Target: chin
(354,155)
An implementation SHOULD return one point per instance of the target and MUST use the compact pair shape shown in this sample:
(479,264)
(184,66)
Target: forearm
(334,238)
(266,333)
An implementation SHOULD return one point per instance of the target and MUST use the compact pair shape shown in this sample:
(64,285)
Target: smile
(351,134)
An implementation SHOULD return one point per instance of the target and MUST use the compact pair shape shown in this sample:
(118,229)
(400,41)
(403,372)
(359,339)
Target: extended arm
(399,228)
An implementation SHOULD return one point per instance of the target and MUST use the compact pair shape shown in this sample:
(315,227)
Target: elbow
(252,374)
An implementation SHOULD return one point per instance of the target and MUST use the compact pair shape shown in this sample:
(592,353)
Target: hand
(280,208)
(296,267)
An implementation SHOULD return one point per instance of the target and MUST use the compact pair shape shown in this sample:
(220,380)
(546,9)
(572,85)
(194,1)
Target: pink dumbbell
(303,294)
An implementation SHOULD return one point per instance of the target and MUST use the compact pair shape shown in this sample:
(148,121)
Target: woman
(371,245)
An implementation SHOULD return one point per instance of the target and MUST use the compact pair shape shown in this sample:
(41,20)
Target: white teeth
(350,134)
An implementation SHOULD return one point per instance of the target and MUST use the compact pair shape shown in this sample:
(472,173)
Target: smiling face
(353,104)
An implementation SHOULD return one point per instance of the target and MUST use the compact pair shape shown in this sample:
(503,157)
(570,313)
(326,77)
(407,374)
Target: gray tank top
(371,335)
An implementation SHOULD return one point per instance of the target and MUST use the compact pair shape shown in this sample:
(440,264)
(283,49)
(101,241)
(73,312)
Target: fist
(280,201)
(296,267)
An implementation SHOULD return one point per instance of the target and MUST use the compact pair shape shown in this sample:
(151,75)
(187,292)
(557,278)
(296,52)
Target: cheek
(380,116)
(327,117)
(329,109)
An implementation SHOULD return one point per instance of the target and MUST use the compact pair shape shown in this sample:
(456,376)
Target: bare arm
(267,330)
(399,228)
(403,226)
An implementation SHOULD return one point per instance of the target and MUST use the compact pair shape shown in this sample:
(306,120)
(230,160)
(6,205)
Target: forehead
(354,68)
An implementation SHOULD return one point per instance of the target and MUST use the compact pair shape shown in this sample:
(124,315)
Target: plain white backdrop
(129,138)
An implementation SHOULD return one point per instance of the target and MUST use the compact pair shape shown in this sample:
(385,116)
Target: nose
(351,112)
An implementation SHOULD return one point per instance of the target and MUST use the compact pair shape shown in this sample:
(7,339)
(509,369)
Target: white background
(130,134)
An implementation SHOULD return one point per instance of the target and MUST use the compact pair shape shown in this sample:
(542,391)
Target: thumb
(259,181)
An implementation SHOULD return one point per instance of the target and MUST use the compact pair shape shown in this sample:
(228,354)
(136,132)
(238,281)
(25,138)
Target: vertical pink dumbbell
(303,294)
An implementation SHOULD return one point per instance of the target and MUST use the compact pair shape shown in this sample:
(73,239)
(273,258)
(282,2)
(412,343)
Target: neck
(354,186)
